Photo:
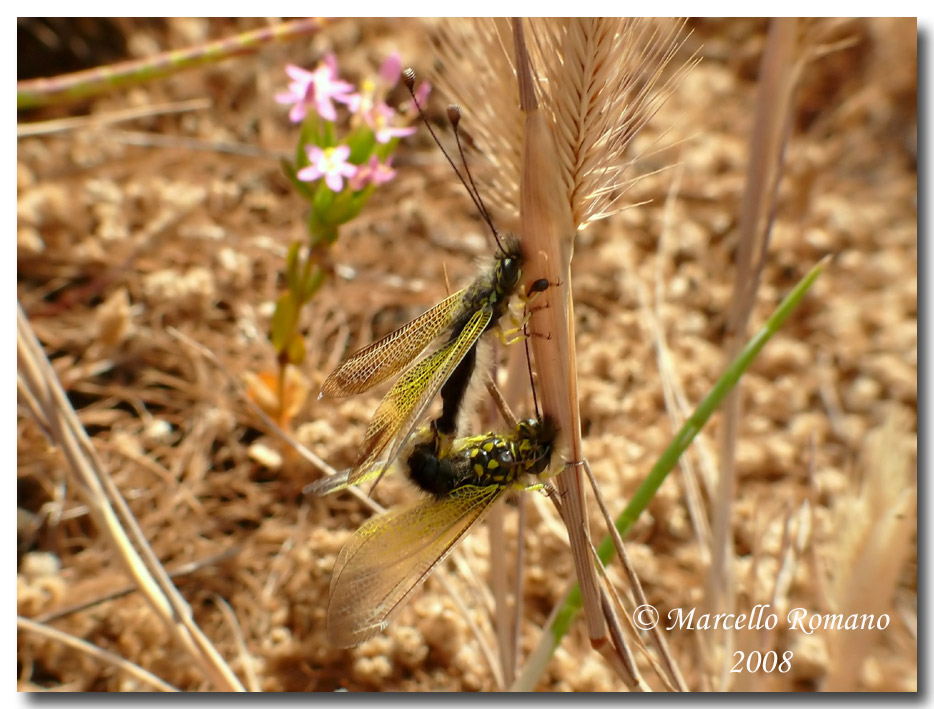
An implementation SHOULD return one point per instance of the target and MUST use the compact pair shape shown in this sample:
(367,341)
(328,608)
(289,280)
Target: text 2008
(766,662)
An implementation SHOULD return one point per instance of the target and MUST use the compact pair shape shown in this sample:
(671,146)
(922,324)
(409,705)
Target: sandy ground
(123,238)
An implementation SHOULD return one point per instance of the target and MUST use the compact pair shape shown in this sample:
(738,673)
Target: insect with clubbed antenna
(466,315)
(390,556)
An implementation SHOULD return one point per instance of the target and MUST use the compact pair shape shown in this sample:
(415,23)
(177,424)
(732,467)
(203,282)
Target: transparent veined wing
(400,410)
(333,483)
(390,556)
(386,357)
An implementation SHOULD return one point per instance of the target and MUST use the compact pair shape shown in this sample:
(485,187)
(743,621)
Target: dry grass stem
(246,660)
(484,640)
(499,584)
(617,652)
(547,229)
(183,570)
(104,656)
(98,121)
(99,492)
(676,403)
(876,534)
(159,140)
(674,677)
(767,142)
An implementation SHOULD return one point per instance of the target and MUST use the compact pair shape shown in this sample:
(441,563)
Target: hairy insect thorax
(493,289)
(490,292)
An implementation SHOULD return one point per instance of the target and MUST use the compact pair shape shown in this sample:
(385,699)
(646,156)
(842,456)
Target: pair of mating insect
(388,558)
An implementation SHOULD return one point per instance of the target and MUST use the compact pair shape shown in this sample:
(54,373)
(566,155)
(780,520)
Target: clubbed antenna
(454,116)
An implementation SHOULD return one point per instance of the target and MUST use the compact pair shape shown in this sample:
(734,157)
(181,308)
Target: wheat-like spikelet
(601,80)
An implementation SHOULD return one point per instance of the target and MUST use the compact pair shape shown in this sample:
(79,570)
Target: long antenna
(454,116)
(537,287)
(408,77)
(528,361)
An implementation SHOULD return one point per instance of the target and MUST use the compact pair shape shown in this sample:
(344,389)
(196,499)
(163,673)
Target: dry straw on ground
(179,219)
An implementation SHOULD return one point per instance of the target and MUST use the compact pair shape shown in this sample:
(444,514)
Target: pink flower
(373,173)
(421,93)
(379,120)
(369,103)
(390,69)
(316,88)
(330,163)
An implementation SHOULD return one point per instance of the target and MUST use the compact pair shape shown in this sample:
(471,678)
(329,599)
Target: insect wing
(379,361)
(467,339)
(390,556)
(327,485)
(410,396)
(390,415)
(399,411)
(343,480)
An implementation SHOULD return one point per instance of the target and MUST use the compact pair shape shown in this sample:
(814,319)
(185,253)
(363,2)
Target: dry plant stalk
(671,674)
(43,391)
(767,143)
(104,656)
(790,46)
(547,223)
(595,83)
(676,400)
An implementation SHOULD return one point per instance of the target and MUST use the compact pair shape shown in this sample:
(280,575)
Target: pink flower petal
(334,181)
(390,69)
(308,174)
(300,75)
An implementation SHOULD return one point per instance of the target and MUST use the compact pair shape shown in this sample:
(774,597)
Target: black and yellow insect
(466,315)
(390,556)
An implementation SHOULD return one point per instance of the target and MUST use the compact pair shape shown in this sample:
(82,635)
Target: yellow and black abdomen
(483,461)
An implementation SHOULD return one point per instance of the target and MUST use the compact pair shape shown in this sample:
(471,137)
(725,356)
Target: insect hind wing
(390,556)
(327,485)
(344,479)
(400,410)
(392,415)
(458,349)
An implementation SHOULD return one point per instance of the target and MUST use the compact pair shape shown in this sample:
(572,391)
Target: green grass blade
(572,605)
